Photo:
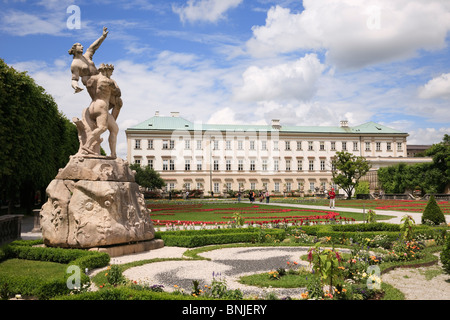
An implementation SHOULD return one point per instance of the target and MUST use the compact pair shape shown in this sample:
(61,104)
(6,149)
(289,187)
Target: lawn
(394,205)
(190,212)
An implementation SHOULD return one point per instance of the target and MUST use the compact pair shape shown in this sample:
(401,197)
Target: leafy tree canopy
(347,169)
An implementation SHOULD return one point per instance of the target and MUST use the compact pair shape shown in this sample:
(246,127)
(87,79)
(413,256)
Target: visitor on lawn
(332,197)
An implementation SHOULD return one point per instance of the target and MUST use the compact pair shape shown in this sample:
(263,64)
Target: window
(288,187)
(322,165)
(187,144)
(310,146)
(216,187)
(277,186)
(137,161)
(228,145)
(322,146)
(252,145)
(215,145)
(299,145)
(187,164)
(199,165)
(171,165)
(199,186)
(276,165)
(311,165)
(275,145)
(150,163)
(228,185)
(344,145)
(264,165)
(240,145)
(171,186)
(228,165)
(168,144)
(264,145)
(252,186)
(378,146)
(300,165)
(287,145)
(367,146)
(388,146)
(399,146)
(216,165)
(333,146)
(355,146)
(137,143)
(187,185)
(149,144)
(288,165)
(312,187)
(252,165)
(240,165)
(199,144)
(165,165)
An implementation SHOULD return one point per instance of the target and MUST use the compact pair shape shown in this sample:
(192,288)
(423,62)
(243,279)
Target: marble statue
(94,200)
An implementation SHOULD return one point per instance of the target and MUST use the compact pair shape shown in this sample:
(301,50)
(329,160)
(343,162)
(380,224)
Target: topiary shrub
(445,256)
(432,213)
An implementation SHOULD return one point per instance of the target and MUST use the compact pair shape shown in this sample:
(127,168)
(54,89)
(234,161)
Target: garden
(345,255)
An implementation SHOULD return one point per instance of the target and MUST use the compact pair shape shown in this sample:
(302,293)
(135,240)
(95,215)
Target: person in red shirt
(332,197)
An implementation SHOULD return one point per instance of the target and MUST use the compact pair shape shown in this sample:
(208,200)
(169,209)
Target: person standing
(332,197)
(267,196)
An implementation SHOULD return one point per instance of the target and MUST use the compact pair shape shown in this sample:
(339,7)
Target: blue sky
(311,62)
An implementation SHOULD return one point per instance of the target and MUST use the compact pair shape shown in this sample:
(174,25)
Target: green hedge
(445,256)
(198,238)
(125,293)
(32,286)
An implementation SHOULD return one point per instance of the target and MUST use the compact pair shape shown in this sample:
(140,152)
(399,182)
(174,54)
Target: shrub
(432,213)
(46,289)
(445,256)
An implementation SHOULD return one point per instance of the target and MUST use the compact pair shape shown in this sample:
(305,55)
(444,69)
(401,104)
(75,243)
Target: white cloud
(293,80)
(438,87)
(427,135)
(205,10)
(355,33)
(22,24)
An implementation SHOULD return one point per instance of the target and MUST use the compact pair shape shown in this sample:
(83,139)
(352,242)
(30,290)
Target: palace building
(276,157)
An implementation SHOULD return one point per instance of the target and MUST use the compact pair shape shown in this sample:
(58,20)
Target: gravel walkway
(424,283)
(227,264)
(232,263)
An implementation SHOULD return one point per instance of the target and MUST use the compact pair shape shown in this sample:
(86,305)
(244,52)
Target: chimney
(344,123)
(156,113)
(276,124)
(174,114)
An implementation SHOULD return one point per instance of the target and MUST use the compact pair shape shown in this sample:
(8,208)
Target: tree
(147,177)
(429,177)
(347,169)
(432,213)
(36,138)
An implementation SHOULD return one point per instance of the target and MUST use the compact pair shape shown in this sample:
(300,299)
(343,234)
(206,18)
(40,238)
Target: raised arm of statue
(75,78)
(96,44)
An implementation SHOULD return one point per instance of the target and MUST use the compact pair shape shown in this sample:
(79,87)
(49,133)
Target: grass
(198,211)
(395,205)
(42,269)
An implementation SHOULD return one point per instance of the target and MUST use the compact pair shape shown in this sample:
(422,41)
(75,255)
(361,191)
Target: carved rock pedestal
(95,202)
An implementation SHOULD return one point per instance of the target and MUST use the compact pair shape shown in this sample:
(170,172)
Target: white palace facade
(273,157)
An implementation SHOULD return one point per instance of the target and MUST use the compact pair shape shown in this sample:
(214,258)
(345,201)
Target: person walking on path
(332,197)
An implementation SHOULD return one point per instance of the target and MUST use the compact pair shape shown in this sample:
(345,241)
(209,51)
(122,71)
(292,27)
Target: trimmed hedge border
(199,238)
(44,290)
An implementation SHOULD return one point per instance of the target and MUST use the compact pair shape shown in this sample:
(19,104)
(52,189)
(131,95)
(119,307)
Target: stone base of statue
(95,202)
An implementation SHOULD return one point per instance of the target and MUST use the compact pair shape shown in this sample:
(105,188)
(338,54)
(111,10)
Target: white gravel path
(227,264)
(232,263)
